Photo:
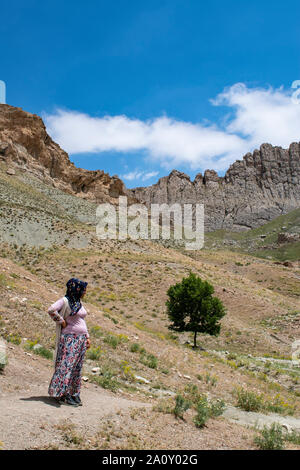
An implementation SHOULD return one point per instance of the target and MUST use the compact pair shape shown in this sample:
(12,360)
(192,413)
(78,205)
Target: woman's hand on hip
(88,343)
(64,324)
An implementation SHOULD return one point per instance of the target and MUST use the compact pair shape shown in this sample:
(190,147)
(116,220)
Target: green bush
(217,408)
(115,340)
(93,353)
(135,347)
(96,331)
(249,401)
(293,437)
(181,405)
(43,352)
(192,392)
(149,360)
(206,410)
(203,412)
(112,340)
(106,380)
(271,438)
(15,339)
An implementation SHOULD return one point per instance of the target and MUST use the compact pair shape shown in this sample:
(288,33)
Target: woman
(72,342)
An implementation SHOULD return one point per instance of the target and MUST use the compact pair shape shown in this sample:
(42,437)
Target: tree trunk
(195,340)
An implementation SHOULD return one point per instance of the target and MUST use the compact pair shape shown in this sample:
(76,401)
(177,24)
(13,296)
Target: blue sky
(137,88)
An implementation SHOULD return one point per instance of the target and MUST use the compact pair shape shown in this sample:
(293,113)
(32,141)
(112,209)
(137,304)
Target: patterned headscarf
(75,289)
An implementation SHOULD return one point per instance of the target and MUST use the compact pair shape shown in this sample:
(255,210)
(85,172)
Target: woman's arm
(53,312)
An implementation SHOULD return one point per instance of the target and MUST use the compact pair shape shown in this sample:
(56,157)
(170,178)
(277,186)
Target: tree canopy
(192,307)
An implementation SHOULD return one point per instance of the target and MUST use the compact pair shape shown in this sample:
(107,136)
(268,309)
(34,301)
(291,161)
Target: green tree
(192,307)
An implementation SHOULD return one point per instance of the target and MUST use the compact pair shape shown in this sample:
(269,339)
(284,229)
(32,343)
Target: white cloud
(262,115)
(139,175)
(256,116)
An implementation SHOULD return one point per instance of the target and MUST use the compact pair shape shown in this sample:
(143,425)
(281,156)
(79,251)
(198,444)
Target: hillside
(278,240)
(127,291)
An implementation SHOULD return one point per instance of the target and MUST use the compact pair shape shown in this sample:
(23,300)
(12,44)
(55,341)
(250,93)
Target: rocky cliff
(24,143)
(254,190)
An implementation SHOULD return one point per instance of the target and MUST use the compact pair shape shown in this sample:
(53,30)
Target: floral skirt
(66,379)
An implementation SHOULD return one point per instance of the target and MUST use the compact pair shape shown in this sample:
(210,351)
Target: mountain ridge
(253,191)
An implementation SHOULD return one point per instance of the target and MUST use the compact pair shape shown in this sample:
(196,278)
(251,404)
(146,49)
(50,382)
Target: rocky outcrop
(24,143)
(285,237)
(254,190)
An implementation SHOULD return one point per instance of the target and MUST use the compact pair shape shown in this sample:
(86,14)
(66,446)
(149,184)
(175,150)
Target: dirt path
(28,416)
(29,419)
(259,420)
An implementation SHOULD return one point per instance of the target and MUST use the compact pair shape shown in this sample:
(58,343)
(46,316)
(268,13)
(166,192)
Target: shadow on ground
(47,400)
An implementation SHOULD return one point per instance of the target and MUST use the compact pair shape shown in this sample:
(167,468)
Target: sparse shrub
(202,415)
(123,338)
(231,357)
(271,438)
(15,339)
(278,405)
(44,352)
(192,392)
(211,380)
(181,405)
(112,340)
(29,344)
(115,340)
(135,347)
(3,281)
(164,406)
(127,371)
(106,380)
(96,331)
(94,353)
(69,434)
(206,410)
(293,437)
(40,351)
(149,360)
(217,408)
(249,401)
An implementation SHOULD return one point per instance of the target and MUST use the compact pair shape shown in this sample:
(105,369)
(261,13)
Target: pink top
(75,323)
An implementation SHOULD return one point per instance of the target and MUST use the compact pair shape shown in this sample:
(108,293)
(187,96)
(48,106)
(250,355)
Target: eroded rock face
(253,191)
(24,143)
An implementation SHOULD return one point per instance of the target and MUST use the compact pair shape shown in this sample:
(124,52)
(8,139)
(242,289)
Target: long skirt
(66,379)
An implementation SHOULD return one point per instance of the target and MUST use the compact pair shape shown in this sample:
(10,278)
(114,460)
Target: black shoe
(69,401)
(59,400)
(77,400)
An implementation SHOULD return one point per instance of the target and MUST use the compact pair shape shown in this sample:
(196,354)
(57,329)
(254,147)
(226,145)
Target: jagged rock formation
(253,191)
(24,143)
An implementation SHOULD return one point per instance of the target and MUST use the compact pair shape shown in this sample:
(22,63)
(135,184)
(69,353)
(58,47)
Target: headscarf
(75,289)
